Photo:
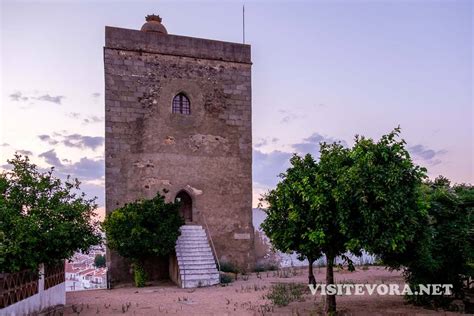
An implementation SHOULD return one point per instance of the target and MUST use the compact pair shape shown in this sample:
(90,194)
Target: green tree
(42,220)
(443,252)
(288,214)
(143,229)
(99,261)
(364,197)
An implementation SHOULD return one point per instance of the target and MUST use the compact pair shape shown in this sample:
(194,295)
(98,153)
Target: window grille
(181,104)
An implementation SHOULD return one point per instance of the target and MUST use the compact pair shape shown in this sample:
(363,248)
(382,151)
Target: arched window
(181,104)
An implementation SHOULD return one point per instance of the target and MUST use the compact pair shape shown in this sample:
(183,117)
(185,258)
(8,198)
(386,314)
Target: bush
(282,294)
(42,219)
(225,278)
(228,267)
(449,246)
(143,229)
(139,275)
(444,247)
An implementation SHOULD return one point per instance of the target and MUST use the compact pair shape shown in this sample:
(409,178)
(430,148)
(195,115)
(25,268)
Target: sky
(322,71)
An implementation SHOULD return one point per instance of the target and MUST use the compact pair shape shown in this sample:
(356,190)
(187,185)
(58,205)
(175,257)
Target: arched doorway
(186,207)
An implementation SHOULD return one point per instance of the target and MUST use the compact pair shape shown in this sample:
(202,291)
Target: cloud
(74,115)
(267,166)
(51,158)
(92,119)
(6,167)
(73,140)
(4,145)
(21,96)
(48,98)
(89,171)
(96,94)
(430,156)
(422,152)
(25,152)
(48,139)
(80,141)
(84,169)
(288,116)
(89,119)
(311,144)
(18,96)
(265,141)
(262,142)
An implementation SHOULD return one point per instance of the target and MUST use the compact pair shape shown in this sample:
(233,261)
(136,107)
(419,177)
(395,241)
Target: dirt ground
(245,296)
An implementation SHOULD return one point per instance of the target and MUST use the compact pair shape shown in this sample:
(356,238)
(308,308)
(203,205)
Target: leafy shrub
(282,294)
(225,278)
(139,275)
(143,229)
(449,247)
(228,267)
(42,219)
(444,247)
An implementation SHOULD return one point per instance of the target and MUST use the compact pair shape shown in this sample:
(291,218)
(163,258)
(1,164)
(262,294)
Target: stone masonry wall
(208,153)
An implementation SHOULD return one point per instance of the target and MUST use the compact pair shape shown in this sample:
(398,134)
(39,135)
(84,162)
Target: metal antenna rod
(243,23)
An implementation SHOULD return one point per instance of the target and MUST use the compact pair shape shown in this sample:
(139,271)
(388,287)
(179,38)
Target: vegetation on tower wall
(143,229)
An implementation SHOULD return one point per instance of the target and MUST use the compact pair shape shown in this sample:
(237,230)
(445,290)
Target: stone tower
(178,120)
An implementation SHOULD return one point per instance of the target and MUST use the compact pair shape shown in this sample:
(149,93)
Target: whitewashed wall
(44,299)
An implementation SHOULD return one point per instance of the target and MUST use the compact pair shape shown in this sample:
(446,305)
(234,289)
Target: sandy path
(242,297)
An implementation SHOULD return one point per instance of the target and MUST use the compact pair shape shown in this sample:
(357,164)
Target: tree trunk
(330,299)
(311,278)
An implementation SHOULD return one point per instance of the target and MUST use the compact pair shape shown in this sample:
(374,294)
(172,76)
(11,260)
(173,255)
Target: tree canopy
(364,197)
(100,261)
(443,252)
(42,219)
(143,229)
(289,214)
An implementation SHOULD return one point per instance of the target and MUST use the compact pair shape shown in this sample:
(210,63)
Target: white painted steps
(196,263)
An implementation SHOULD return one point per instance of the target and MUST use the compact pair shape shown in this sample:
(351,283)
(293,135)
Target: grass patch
(225,278)
(265,267)
(282,294)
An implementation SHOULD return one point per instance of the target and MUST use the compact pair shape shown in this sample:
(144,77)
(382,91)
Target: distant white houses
(81,274)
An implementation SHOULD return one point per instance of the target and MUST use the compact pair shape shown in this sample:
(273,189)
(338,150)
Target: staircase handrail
(212,243)
(179,268)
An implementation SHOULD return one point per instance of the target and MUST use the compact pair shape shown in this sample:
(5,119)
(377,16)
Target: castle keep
(178,120)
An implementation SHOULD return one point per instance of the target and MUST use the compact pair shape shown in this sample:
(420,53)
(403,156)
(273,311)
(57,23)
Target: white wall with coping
(51,297)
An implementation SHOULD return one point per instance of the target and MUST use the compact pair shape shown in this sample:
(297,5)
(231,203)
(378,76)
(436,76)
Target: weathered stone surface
(242,236)
(208,153)
(125,39)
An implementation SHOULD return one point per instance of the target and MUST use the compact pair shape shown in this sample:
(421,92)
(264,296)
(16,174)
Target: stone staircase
(196,263)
